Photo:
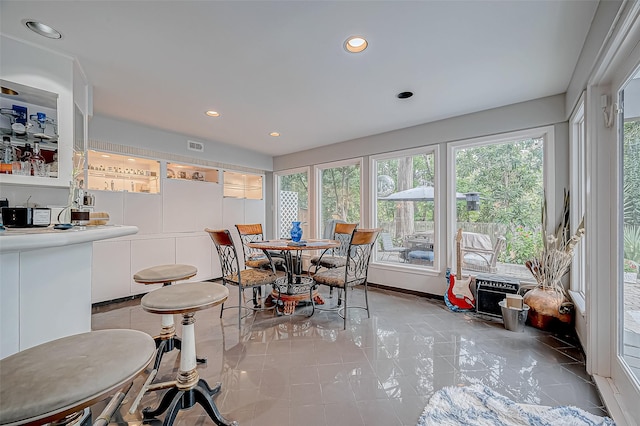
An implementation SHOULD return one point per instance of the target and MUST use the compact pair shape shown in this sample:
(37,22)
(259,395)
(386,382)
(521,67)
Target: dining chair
(255,258)
(232,274)
(353,273)
(335,258)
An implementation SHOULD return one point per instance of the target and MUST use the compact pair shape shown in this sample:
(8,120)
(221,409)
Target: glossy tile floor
(380,371)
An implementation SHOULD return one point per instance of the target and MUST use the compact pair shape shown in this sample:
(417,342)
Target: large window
(578,197)
(503,180)
(405,199)
(629,286)
(339,195)
(292,189)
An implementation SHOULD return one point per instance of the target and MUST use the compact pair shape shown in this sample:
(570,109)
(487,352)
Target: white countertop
(23,239)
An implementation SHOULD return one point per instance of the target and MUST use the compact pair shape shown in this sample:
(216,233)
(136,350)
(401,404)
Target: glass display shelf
(193,173)
(242,185)
(115,172)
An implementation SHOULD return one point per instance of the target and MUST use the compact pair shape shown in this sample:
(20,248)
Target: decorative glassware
(296,231)
(38,163)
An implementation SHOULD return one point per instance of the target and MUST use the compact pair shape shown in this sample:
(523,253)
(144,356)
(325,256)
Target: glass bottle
(26,153)
(8,155)
(53,169)
(38,163)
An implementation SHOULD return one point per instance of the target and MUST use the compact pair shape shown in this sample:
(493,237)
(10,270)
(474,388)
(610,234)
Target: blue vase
(296,231)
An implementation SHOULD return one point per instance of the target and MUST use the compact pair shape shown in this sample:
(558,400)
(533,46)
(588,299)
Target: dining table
(295,286)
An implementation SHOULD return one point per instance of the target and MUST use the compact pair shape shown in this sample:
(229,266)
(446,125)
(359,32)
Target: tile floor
(381,371)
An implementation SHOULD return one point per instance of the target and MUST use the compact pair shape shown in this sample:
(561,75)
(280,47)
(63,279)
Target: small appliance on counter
(26,217)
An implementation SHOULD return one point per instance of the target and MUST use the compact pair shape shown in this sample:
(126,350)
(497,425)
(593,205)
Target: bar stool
(188,389)
(58,380)
(165,275)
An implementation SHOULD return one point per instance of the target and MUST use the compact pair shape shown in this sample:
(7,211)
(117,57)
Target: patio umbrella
(420,193)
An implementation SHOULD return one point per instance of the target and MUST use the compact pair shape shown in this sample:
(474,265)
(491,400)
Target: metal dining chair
(336,258)
(234,275)
(353,273)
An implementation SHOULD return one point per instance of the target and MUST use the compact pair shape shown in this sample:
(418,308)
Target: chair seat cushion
(263,262)
(165,274)
(477,259)
(70,373)
(331,277)
(187,297)
(421,255)
(254,277)
(329,261)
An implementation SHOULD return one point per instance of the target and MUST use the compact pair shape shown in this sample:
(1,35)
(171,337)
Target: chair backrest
(473,240)
(387,242)
(359,254)
(343,233)
(249,234)
(226,251)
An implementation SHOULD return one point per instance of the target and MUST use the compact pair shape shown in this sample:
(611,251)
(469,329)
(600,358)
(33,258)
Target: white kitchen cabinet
(147,253)
(197,251)
(9,301)
(111,270)
(143,211)
(111,203)
(189,206)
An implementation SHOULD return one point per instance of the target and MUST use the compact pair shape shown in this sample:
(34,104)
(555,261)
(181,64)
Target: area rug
(478,405)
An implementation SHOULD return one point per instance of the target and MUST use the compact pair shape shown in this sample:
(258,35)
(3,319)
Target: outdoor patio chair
(388,248)
(478,254)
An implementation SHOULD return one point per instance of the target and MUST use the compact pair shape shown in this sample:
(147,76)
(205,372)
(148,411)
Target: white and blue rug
(478,405)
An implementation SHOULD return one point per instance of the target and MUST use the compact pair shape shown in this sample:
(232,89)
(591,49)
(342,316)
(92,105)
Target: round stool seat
(54,379)
(187,297)
(165,274)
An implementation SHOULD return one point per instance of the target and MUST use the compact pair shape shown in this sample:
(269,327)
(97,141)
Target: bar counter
(45,283)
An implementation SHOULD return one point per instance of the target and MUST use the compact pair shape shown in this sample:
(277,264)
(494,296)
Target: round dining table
(295,286)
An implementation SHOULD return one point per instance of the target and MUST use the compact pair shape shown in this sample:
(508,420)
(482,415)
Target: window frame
(276,192)
(373,207)
(548,173)
(317,189)
(578,185)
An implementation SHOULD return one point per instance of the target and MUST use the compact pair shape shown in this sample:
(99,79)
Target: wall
(598,33)
(127,133)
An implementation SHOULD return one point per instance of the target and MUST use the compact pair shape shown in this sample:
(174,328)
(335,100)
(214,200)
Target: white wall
(107,129)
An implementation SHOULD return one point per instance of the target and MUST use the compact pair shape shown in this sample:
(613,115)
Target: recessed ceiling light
(7,91)
(274,134)
(355,44)
(131,159)
(43,29)
(105,155)
(213,113)
(404,95)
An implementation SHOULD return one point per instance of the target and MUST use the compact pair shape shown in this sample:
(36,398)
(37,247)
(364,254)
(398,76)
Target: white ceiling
(280,66)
